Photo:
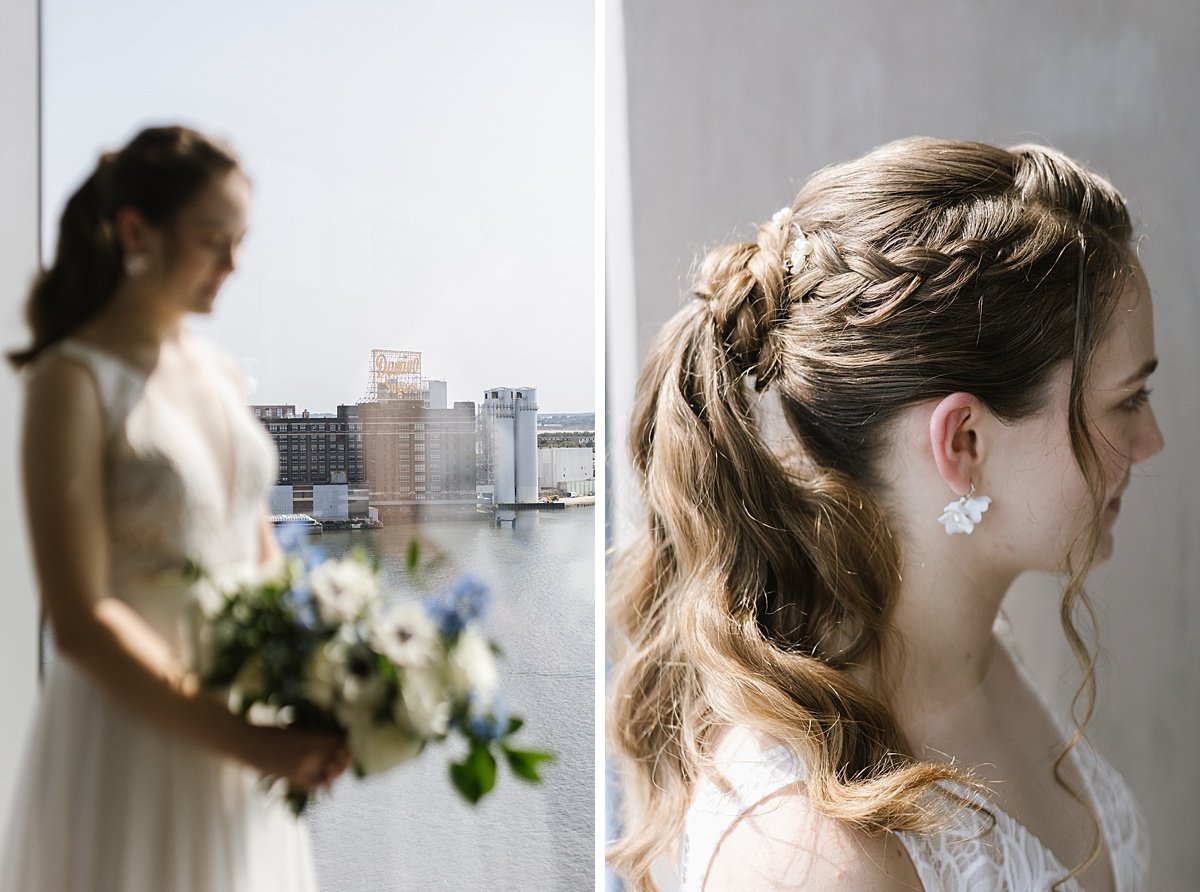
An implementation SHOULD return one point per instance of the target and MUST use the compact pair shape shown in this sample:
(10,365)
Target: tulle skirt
(106,802)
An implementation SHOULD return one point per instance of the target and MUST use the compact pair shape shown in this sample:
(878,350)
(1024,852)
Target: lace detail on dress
(166,501)
(973,853)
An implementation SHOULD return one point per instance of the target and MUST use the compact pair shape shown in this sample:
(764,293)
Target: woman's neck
(941,645)
(138,317)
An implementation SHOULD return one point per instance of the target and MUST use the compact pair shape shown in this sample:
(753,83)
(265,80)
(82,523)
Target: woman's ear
(956,438)
(132,230)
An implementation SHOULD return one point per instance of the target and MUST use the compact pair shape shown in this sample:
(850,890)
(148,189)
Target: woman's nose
(1148,440)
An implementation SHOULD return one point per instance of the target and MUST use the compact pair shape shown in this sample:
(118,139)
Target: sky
(423,177)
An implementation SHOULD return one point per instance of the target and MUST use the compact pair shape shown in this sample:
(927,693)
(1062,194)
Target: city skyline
(431,186)
(451,393)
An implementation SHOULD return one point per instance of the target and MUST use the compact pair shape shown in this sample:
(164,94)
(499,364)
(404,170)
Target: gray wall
(18,262)
(717,112)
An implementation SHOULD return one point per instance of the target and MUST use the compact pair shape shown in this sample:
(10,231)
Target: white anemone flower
(343,589)
(406,635)
(332,682)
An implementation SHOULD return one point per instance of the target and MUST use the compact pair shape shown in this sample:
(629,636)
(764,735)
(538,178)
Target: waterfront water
(409,830)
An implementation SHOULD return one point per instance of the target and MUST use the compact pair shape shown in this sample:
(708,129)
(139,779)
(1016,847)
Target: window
(298,329)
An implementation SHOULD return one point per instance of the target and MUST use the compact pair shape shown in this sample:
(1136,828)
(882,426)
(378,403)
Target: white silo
(497,439)
(525,443)
(508,431)
(503,451)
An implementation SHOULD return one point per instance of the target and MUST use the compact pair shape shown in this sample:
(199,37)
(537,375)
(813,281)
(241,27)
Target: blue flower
(465,601)
(491,726)
(288,535)
(300,603)
(469,597)
(313,556)
(448,621)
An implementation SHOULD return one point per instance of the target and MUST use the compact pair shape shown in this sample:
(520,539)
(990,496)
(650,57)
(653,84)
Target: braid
(746,288)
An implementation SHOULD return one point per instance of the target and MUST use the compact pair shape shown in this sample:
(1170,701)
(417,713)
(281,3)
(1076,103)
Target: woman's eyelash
(1138,399)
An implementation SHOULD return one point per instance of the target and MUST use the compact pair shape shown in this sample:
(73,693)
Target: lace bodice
(967,856)
(166,498)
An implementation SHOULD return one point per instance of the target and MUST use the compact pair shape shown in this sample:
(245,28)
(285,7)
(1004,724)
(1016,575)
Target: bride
(923,378)
(139,453)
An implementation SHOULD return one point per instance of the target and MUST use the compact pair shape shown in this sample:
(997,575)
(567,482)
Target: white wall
(279,499)
(435,394)
(559,463)
(330,501)
(19,180)
(726,107)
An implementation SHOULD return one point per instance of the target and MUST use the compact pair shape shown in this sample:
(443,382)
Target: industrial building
(418,460)
(320,462)
(398,452)
(569,470)
(508,471)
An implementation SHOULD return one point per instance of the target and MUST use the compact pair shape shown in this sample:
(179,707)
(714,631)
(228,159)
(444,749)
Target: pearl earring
(961,515)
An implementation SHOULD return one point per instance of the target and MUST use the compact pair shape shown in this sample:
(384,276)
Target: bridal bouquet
(311,643)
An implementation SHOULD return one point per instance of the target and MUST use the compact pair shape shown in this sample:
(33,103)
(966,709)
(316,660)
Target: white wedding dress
(105,801)
(971,855)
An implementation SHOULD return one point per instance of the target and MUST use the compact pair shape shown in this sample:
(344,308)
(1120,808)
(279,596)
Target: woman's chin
(204,303)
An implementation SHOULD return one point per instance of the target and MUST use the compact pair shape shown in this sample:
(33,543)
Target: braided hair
(760,579)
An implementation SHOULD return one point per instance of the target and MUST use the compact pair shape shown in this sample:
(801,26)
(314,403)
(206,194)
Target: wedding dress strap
(714,812)
(118,381)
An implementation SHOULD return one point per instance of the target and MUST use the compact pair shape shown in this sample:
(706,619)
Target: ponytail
(160,171)
(86,269)
(761,581)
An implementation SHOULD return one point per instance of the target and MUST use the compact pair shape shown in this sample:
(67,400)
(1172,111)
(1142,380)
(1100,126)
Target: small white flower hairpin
(801,246)
(961,515)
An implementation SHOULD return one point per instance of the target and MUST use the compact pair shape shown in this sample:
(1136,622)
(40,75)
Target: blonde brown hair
(755,583)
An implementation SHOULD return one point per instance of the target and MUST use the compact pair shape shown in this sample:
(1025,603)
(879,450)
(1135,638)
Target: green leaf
(414,555)
(514,725)
(387,670)
(524,763)
(475,776)
(192,570)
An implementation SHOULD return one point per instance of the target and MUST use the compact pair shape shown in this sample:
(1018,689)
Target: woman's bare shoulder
(55,377)
(783,843)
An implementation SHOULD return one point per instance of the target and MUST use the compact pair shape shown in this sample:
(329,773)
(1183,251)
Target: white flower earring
(136,264)
(961,515)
